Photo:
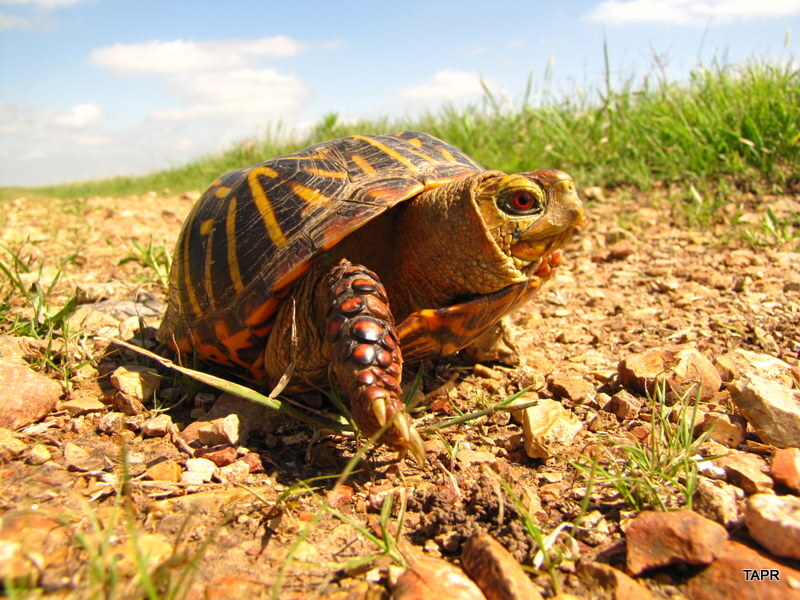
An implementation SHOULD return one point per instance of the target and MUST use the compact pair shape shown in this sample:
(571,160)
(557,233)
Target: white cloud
(690,12)
(80,116)
(445,85)
(12,22)
(251,96)
(180,56)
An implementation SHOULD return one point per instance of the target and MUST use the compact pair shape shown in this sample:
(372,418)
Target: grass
(737,124)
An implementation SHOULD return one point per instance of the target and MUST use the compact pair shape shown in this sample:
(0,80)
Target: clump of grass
(658,474)
(156,258)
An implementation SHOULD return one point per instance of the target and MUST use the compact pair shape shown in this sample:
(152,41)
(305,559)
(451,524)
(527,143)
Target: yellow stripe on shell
(207,230)
(222,192)
(187,273)
(230,239)
(264,206)
(326,173)
(308,194)
(387,150)
(363,164)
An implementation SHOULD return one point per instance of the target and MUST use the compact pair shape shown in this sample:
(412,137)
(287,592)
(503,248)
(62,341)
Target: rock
(774,522)
(746,471)
(435,578)
(718,501)
(253,460)
(136,381)
(236,472)
(497,344)
(219,456)
(743,363)
(259,419)
(727,577)
(235,586)
(683,368)
(495,570)
(167,470)
(82,406)
(615,584)
(25,395)
(624,405)
(78,459)
(547,428)
(10,446)
(201,466)
(603,421)
(229,429)
(726,429)
(111,423)
(468,457)
(158,426)
(33,547)
(194,478)
(771,408)
(785,467)
(39,454)
(658,539)
(129,405)
(153,549)
(569,387)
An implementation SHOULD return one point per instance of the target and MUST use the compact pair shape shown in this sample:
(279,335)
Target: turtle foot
(366,357)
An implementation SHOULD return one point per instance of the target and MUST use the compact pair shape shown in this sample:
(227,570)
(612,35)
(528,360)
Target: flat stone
(235,472)
(745,470)
(435,578)
(772,409)
(569,387)
(235,586)
(743,363)
(111,423)
(201,465)
(495,570)
(258,419)
(127,404)
(32,548)
(136,381)
(230,429)
(785,467)
(684,369)
(615,584)
(25,395)
(82,406)
(78,459)
(725,578)
(774,522)
(219,456)
(726,429)
(658,539)
(624,405)
(718,501)
(10,446)
(167,470)
(157,426)
(548,428)
(39,454)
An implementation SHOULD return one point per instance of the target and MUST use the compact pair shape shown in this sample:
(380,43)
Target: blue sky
(96,88)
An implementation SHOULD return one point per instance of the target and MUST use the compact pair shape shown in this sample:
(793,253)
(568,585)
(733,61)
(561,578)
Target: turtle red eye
(522,203)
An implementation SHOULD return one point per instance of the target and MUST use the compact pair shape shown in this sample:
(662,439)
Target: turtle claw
(416,447)
(379,410)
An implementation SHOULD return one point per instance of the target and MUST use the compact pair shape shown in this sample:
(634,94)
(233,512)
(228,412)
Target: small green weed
(154,257)
(658,474)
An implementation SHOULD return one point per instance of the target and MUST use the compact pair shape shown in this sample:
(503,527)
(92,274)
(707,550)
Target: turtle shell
(256,230)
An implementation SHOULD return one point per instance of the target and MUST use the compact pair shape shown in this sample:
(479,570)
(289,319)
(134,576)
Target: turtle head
(530,215)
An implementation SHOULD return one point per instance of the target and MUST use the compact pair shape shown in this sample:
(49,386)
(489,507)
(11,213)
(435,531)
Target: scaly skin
(366,358)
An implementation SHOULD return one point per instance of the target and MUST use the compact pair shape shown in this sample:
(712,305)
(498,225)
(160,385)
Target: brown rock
(772,409)
(683,368)
(157,426)
(10,446)
(78,459)
(497,344)
(167,470)
(136,381)
(82,406)
(657,539)
(235,586)
(774,522)
(495,570)
(785,467)
(615,584)
(435,578)
(569,387)
(258,418)
(746,471)
(548,428)
(718,501)
(726,429)
(32,548)
(128,405)
(219,456)
(25,396)
(625,405)
(254,461)
(740,363)
(730,577)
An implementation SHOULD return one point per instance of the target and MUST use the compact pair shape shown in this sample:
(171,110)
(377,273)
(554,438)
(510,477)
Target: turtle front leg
(366,357)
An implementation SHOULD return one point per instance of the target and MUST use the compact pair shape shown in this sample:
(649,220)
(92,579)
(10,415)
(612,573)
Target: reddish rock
(615,584)
(254,461)
(25,395)
(259,419)
(657,539)
(235,586)
(435,578)
(219,456)
(495,570)
(726,429)
(683,368)
(746,471)
(771,408)
(731,577)
(785,467)
(569,387)
(625,405)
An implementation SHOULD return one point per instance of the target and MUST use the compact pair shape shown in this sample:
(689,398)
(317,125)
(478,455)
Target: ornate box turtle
(376,249)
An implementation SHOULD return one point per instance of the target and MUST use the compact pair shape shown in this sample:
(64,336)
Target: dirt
(640,276)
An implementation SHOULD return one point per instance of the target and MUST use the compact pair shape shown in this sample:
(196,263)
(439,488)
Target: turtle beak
(565,212)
